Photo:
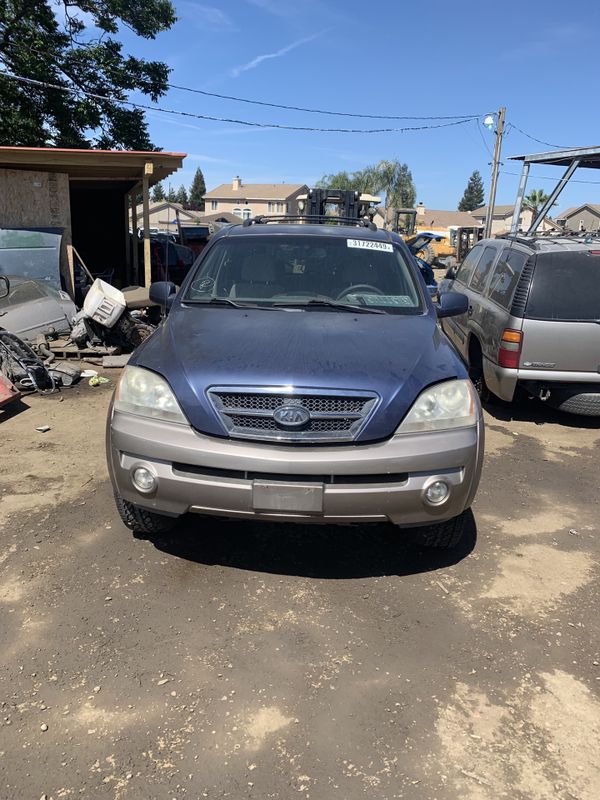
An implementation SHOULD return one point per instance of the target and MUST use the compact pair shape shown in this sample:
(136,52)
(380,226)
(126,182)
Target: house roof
(159,205)
(219,216)
(569,212)
(436,218)
(499,211)
(117,165)
(255,191)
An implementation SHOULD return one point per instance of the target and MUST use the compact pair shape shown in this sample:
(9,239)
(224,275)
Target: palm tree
(535,200)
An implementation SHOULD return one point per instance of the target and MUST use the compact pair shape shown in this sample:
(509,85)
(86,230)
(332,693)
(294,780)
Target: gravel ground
(249,660)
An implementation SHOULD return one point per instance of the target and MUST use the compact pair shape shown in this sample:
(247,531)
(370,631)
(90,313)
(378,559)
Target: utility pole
(495,167)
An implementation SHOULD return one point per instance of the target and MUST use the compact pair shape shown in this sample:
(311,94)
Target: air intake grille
(329,416)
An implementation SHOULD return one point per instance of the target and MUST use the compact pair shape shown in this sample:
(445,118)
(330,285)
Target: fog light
(437,492)
(143,479)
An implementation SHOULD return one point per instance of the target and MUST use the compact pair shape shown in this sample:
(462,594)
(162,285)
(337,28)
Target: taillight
(509,352)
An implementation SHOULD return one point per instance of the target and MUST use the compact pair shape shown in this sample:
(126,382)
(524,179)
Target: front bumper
(377,482)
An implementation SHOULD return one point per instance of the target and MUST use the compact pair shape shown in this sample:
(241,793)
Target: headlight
(145,393)
(451,404)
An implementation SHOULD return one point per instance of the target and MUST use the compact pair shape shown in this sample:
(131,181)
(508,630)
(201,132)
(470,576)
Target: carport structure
(570,158)
(90,195)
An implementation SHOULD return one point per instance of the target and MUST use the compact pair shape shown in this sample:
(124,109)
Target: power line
(312,110)
(485,144)
(145,107)
(16,46)
(546,178)
(539,141)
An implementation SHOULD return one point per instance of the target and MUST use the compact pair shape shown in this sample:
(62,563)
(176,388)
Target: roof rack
(318,219)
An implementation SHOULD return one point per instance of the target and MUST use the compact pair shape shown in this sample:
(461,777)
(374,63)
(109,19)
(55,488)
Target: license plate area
(294,498)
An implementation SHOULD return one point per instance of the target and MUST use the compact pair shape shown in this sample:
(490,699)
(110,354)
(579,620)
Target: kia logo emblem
(291,416)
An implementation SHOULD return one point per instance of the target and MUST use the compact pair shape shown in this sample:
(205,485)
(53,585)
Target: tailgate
(561,346)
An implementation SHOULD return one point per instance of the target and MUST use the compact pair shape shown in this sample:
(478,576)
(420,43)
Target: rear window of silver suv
(565,286)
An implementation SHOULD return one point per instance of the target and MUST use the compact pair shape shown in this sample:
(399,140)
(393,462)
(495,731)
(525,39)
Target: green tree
(75,44)
(535,200)
(392,178)
(171,195)
(182,196)
(473,196)
(396,181)
(158,193)
(197,191)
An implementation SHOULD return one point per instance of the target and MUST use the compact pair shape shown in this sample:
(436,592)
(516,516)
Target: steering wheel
(362,287)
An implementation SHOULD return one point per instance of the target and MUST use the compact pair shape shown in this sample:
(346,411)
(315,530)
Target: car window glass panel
(298,268)
(482,269)
(506,276)
(468,265)
(566,286)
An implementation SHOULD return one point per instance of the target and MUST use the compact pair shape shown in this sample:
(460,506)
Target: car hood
(392,355)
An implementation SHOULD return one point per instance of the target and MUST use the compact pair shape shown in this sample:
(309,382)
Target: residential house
(254,199)
(580,218)
(163,216)
(503,217)
(432,219)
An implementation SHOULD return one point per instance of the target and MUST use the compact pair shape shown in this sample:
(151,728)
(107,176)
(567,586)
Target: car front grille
(331,416)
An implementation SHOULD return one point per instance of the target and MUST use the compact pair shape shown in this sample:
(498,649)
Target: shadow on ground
(13,409)
(314,551)
(533,410)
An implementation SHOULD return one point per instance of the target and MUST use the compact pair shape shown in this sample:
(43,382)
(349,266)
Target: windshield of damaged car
(293,270)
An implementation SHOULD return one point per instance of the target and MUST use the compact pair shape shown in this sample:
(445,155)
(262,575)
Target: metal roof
(589,157)
(117,165)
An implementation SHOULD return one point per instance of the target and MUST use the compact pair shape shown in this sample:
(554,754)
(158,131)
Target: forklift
(349,204)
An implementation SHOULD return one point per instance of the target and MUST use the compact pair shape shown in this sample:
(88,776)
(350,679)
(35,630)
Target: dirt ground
(239,660)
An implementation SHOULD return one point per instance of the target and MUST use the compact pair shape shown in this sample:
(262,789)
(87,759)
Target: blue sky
(539,59)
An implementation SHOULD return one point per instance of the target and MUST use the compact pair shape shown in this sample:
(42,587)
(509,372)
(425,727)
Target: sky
(444,58)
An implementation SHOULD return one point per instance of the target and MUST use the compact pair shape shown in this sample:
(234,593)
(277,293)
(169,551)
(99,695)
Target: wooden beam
(126,204)
(148,170)
(134,226)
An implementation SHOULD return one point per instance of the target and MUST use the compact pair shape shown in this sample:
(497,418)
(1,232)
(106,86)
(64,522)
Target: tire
(142,521)
(586,404)
(443,535)
(427,253)
(476,371)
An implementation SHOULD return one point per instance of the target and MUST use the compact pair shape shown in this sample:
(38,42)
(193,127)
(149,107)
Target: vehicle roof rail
(319,219)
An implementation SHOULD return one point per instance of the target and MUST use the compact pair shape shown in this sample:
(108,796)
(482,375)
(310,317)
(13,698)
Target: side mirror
(4,286)
(452,304)
(163,293)
(450,273)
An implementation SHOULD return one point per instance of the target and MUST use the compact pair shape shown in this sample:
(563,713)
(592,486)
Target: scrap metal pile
(43,336)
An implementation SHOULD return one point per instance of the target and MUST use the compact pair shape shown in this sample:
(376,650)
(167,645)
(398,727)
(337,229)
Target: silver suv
(533,319)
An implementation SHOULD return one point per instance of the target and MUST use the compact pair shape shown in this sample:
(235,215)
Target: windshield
(566,286)
(293,270)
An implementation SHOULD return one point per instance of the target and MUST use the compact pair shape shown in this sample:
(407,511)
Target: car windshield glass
(295,269)
(566,286)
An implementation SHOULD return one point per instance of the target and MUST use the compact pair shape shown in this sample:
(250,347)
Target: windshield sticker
(381,299)
(368,244)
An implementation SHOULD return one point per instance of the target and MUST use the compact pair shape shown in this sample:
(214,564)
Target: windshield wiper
(334,304)
(226,301)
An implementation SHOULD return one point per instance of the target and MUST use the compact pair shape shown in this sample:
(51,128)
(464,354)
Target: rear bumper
(362,483)
(503,381)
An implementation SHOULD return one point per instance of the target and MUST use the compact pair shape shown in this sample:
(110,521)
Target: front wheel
(142,521)
(444,535)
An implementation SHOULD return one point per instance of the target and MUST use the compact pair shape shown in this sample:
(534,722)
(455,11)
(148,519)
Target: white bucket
(104,303)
